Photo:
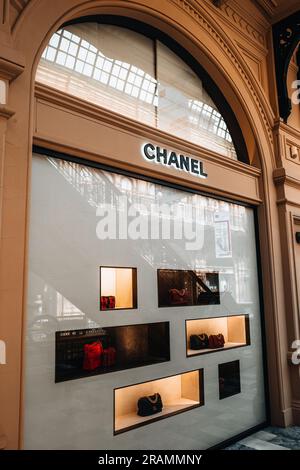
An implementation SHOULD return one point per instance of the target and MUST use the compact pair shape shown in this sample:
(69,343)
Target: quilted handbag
(216,341)
(92,355)
(107,302)
(109,357)
(151,405)
(199,341)
(178,296)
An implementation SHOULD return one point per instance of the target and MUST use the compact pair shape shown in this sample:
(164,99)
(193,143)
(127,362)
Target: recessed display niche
(229,379)
(184,287)
(170,395)
(234,329)
(118,288)
(83,353)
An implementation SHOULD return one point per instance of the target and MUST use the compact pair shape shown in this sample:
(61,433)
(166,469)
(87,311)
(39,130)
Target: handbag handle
(202,337)
(153,400)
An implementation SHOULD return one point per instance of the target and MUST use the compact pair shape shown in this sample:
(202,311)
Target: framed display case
(185,287)
(235,330)
(83,353)
(229,379)
(118,288)
(178,393)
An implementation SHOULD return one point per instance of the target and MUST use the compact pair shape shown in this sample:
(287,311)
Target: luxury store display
(81,353)
(118,288)
(178,287)
(216,341)
(216,334)
(92,355)
(179,297)
(140,404)
(109,357)
(150,405)
(203,341)
(199,341)
(107,302)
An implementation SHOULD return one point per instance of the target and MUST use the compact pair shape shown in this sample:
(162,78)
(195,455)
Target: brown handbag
(178,296)
(216,341)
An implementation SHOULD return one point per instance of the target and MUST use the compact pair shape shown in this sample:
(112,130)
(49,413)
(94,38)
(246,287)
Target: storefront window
(194,309)
(135,76)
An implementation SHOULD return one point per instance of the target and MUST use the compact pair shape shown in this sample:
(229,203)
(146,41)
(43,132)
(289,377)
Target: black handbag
(199,341)
(148,406)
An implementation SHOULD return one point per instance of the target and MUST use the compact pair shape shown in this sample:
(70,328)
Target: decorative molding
(281,178)
(269,6)
(279,125)
(288,143)
(242,24)
(192,8)
(76,105)
(6,113)
(10,70)
(255,61)
(218,3)
(16,9)
(19,5)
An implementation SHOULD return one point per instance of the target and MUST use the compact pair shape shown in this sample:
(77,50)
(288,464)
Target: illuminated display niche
(83,353)
(118,288)
(235,330)
(179,393)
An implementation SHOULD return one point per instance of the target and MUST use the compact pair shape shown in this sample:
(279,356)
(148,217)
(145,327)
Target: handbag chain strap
(202,337)
(153,400)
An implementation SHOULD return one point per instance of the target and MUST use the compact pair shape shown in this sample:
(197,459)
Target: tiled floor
(271,438)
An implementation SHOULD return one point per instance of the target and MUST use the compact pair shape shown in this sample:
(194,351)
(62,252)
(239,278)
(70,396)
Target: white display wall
(64,259)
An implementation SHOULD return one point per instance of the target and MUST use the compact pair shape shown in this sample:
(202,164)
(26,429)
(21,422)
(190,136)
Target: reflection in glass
(132,75)
(88,352)
(180,288)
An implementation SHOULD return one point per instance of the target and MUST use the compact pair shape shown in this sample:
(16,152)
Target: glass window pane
(185,108)
(97,62)
(64,257)
(114,68)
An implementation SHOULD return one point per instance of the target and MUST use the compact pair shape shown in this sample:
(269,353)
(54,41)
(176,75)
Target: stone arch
(187,22)
(233,76)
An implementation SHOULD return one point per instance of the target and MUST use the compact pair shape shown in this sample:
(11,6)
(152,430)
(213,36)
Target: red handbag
(216,341)
(92,355)
(109,357)
(107,302)
(178,296)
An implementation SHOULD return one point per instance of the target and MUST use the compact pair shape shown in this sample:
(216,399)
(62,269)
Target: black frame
(134,289)
(247,328)
(115,368)
(46,152)
(71,158)
(217,294)
(238,390)
(156,417)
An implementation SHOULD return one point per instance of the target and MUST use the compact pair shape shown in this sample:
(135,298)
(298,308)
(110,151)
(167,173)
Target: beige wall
(233,44)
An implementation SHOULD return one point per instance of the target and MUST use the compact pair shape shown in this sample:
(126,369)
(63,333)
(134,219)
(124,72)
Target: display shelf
(234,328)
(122,347)
(118,288)
(179,393)
(186,287)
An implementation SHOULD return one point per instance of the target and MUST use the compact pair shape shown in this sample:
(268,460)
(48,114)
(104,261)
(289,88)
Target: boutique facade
(148,229)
